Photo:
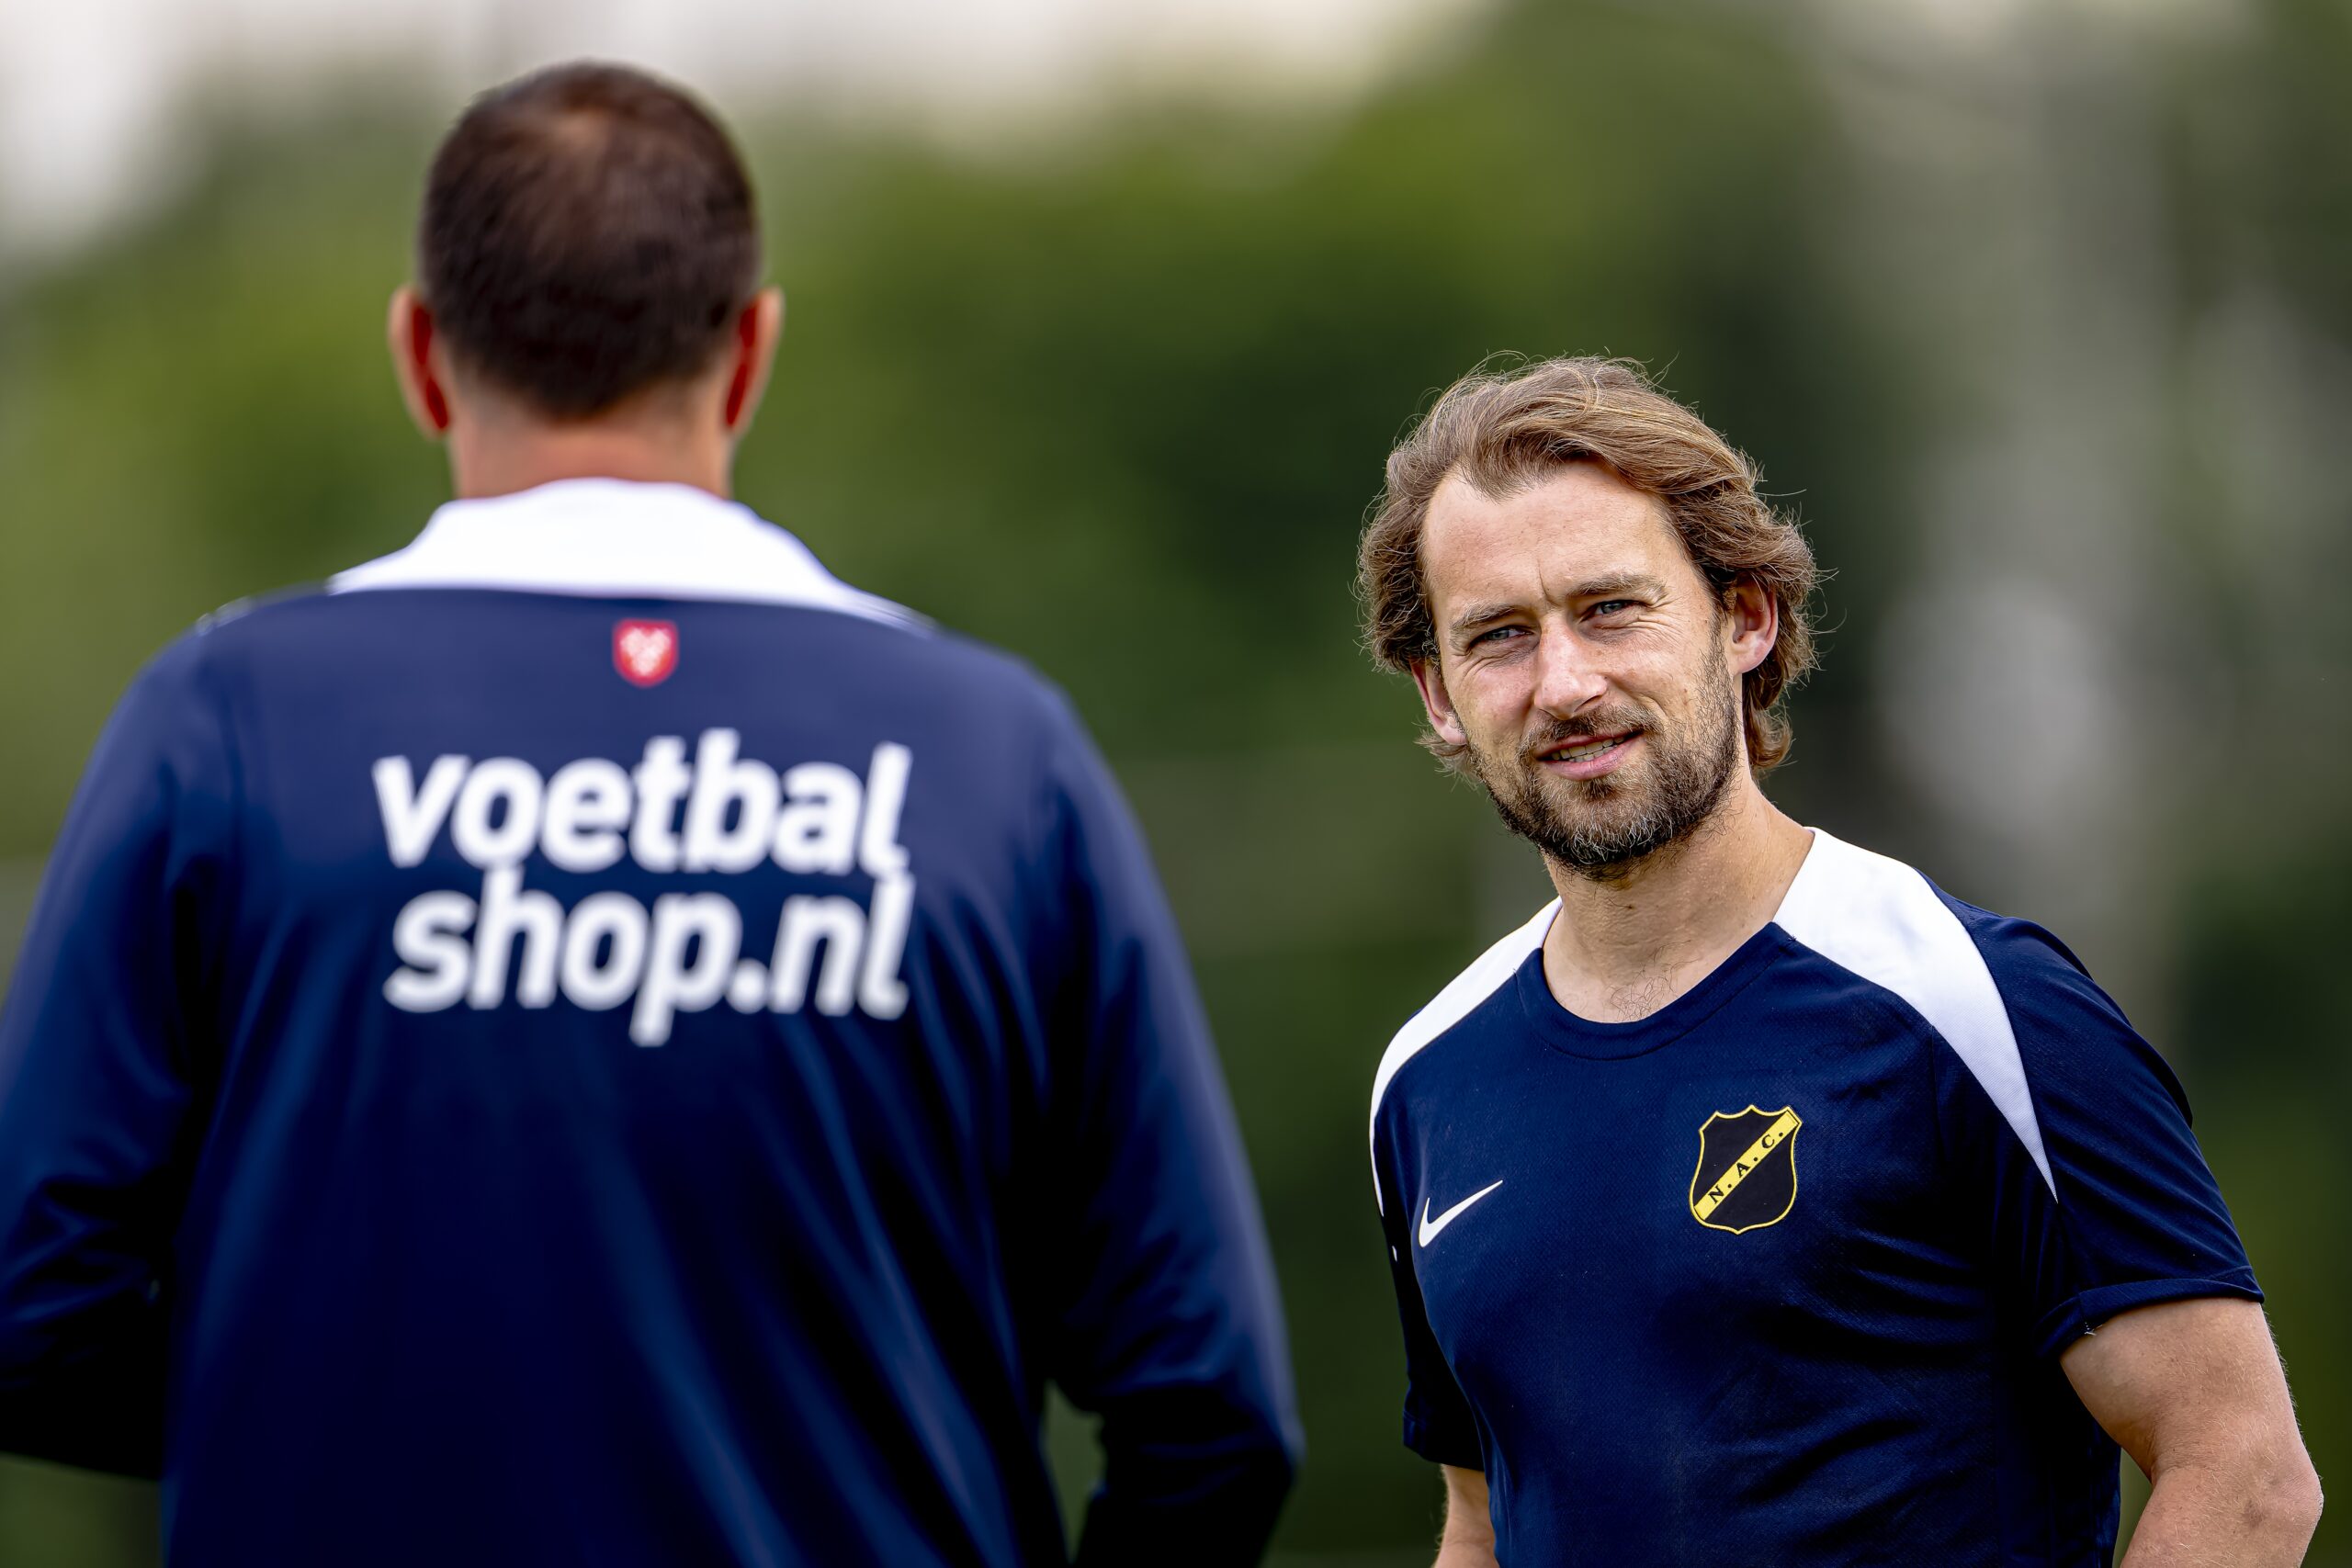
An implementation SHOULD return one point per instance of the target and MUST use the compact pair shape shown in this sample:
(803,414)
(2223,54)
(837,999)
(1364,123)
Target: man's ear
(418,363)
(758,329)
(1754,618)
(1438,702)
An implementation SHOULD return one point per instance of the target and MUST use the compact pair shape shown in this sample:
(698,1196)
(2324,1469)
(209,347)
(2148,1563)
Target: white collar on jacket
(616,540)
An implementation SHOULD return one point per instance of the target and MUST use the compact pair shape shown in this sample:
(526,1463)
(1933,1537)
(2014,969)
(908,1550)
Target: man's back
(664,1057)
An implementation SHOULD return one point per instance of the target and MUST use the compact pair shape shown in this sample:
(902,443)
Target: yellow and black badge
(1748,1169)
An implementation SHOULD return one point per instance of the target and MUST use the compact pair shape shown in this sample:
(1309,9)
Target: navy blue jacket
(592,1042)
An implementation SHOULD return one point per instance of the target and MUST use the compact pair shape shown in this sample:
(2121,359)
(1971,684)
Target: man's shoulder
(1887,921)
(188,667)
(2005,996)
(1462,996)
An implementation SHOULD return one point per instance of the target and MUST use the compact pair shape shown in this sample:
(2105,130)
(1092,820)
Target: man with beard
(1757,1199)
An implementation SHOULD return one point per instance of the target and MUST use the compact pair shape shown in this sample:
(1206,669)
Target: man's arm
(1469,1538)
(2112,1243)
(1166,1321)
(1438,1425)
(2194,1393)
(97,1082)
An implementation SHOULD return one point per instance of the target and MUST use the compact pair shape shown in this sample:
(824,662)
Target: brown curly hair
(1505,430)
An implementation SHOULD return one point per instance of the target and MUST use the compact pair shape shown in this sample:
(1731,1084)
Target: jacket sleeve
(98,1080)
(1165,1318)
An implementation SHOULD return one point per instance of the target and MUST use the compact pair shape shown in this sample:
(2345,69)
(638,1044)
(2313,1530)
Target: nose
(1566,677)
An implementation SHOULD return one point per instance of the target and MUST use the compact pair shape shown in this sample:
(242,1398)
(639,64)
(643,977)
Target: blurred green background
(2043,323)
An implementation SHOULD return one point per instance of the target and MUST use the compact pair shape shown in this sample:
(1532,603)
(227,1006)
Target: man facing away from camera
(592,1041)
(1757,1200)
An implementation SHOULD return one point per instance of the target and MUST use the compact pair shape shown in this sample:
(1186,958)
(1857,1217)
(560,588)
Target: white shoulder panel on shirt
(613,538)
(1879,918)
(1453,1004)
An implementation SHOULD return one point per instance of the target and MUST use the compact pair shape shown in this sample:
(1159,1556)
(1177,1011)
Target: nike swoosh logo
(1431,1227)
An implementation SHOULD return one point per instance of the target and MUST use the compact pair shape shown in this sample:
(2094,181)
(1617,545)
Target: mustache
(1584,728)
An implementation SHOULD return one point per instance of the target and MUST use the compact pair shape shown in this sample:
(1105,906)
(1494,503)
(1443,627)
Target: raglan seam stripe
(1446,1011)
(1853,906)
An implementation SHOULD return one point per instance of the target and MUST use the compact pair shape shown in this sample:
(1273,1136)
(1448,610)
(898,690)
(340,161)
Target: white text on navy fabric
(718,812)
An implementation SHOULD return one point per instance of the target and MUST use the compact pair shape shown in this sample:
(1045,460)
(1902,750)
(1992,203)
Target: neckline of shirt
(615,538)
(1579,1036)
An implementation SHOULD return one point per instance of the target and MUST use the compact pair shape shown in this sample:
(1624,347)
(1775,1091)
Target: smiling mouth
(1587,750)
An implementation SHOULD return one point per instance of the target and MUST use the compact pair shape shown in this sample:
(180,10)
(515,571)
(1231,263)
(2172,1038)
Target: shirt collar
(616,539)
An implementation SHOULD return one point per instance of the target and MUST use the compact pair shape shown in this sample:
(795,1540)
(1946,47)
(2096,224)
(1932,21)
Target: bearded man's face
(1584,663)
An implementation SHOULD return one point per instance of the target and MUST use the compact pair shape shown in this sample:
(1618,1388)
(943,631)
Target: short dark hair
(587,234)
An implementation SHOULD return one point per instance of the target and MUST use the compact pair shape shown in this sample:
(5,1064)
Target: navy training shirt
(592,1042)
(1781,1273)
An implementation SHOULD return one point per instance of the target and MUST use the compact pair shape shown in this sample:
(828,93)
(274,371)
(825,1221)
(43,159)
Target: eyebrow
(1480,616)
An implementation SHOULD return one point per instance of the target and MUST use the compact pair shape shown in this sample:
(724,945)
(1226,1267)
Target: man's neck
(501,459)
(1624,947)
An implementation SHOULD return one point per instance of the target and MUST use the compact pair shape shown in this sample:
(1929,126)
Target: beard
(1600,827)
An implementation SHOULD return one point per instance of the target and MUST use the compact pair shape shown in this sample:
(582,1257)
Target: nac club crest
(1746,1177)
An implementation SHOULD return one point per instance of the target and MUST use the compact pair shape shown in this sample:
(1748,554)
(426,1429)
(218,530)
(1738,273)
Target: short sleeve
(1438,1424)
(2120,1210)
